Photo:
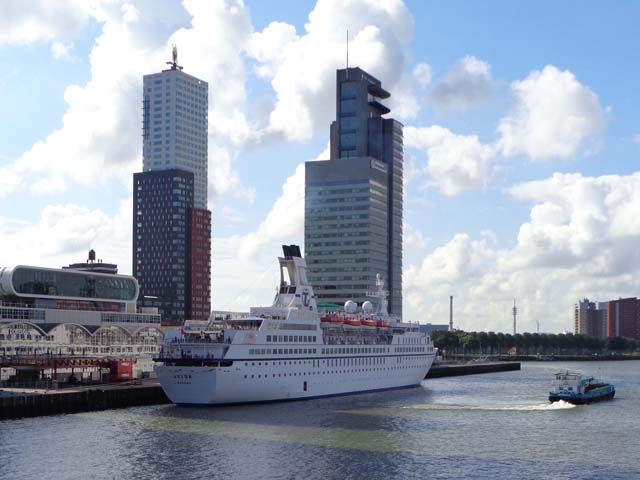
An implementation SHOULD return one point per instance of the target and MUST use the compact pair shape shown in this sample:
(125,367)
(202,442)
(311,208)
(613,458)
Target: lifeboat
(382,324)
(352,323)
(368,323)
(337,320)
(325,321)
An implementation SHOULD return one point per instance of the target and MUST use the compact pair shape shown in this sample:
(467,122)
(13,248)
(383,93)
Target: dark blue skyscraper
(353,201)
(161,204)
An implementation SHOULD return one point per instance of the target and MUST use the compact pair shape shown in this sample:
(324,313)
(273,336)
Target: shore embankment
(453,370)
(17,403)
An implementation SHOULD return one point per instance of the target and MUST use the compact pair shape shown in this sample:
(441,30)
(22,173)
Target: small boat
(576,389)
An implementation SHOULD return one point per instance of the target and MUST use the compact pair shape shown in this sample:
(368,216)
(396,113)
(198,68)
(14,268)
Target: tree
(617,344)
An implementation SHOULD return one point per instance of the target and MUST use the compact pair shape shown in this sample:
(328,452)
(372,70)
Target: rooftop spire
(347,49)
(174,62)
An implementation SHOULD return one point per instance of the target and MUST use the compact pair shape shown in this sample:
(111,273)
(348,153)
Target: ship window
(291,338)
(296,338)
(268,338)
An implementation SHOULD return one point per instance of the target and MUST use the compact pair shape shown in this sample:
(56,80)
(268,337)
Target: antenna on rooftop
(347,49)
(174,55)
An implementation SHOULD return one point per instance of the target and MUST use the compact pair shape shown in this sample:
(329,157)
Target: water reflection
(484,426)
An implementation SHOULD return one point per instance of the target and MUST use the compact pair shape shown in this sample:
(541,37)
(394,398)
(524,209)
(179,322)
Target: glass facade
(34,281)
(162,201)
(339,208)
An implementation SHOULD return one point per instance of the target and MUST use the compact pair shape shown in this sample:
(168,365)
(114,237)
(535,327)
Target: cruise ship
(290,351)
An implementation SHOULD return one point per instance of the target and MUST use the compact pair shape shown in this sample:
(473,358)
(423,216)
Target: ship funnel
(295,290)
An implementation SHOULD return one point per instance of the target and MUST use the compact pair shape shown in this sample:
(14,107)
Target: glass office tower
(353,201)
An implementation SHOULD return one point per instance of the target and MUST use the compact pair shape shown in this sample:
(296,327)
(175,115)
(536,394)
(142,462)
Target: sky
(521,132)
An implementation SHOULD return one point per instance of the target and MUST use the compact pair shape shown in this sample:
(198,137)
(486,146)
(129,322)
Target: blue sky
(542,208)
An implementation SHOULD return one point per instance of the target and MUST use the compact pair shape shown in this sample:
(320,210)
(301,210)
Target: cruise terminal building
(48,311)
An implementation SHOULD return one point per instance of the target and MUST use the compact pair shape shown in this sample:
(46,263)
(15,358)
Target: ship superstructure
(290,351)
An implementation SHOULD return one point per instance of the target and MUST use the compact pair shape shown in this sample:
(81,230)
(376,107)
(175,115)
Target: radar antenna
(174,55)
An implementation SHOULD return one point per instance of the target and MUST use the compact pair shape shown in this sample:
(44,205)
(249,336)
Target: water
(480,426)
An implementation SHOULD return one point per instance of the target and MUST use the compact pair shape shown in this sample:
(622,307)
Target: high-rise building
(175,123)
(590,318)
(162,201)
(623,318)
(353,201)
(171,224)
(199,267)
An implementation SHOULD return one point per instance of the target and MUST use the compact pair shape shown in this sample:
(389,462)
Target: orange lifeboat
(366,322)
(337,319)
(352,323)
(382,324)
(325,321)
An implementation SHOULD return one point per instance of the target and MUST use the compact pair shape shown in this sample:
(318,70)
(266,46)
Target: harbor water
(496,425)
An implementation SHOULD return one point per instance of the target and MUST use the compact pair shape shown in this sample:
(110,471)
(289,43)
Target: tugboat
(576,389)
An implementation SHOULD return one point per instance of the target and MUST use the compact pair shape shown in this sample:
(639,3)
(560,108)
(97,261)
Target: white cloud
(62,50)
(11,182)
(553,115)
(269,47)
(581,240)
(454,162)
(413,239)
(403,103)
(99,137)
(28,21)
(468,84)
(50,185)
(422,73)
(302,67)
(70,231)
(285,220)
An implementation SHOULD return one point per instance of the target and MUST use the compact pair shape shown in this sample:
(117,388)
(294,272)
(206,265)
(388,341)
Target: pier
(18,402)
(438,371)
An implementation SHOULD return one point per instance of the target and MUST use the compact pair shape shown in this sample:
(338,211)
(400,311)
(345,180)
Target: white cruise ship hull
(269,381)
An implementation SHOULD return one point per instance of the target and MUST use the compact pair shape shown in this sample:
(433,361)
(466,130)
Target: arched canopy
(22,325)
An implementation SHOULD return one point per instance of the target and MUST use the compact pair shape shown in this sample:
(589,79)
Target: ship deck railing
(194,350)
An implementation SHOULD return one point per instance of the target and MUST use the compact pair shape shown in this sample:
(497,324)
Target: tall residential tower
(353,201)
(171,223)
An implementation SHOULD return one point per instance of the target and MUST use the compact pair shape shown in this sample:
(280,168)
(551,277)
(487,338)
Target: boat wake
(561,405)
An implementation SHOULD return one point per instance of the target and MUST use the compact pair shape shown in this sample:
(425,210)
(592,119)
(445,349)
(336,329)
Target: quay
(454,370)
(22,402)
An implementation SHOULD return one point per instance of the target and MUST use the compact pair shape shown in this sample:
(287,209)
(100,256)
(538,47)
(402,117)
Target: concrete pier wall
(82,400)
(471,369)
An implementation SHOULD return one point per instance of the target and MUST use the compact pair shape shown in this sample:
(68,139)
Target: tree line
(490,343)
